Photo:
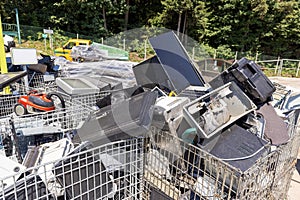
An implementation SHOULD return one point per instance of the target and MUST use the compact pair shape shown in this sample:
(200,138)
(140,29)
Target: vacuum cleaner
(35,102)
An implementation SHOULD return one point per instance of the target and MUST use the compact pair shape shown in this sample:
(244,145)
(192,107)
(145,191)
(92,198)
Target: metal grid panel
(281,185)
(7,102)
(38,80)
(280,95)
(64,119)
(173,168)
(87,100)
(5,126)
(90,174)
(5,132)
(180,170)
(274,171)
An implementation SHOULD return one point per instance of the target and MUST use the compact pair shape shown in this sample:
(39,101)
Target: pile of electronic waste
(232,118)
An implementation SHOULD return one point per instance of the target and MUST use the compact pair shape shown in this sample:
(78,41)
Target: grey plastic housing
(249,77)
(76,85)
(230,99)
(123,119)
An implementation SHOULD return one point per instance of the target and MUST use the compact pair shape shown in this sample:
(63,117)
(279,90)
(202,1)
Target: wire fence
(136,41)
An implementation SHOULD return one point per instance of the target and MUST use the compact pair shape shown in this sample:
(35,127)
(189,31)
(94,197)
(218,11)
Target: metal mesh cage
(62,119)
(178,170)
(109,171)
(87,100)
(39,80)
(7,102)
(161,166)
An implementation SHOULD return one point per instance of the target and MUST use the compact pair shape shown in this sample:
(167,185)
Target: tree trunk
(126,15)
(184,25)
(179,23)
(186,36)
(104,18)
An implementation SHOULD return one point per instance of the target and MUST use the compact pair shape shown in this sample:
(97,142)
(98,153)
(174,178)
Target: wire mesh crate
(175,169)
(87,100)
(7,102)
(280,95)
(5,134)
(39,80)
(160,167)
(111,171)
(19,132)
(61,119)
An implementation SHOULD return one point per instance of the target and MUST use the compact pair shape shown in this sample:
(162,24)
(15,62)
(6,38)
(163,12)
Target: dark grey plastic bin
(249,77)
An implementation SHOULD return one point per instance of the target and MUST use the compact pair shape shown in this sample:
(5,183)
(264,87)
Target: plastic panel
(221,107)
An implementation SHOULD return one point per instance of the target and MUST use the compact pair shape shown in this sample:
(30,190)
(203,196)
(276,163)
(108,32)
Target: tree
(283,33)
(184,14)
(126,15)
(269,26)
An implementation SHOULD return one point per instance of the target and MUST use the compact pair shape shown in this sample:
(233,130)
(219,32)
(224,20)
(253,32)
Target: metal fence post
(298,69)
(277,64)
(124,44)
(280,67)
(145,50)
(256,56)
(193,55)
(18,26)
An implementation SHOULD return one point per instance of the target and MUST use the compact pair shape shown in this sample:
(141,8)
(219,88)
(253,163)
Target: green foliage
(268,26)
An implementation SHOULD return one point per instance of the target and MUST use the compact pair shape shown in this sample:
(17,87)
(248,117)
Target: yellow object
(172,94)
(65,51)
(2,52)
(3,65)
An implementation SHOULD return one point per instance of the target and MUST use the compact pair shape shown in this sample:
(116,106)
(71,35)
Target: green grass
(38,45)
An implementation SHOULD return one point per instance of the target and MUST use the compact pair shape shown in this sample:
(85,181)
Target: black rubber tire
(54,96)
(20,110)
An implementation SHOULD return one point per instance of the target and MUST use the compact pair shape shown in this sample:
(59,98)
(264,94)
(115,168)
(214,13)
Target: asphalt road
(290,82)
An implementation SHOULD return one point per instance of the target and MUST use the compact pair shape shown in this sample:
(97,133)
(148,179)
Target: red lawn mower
(36,102)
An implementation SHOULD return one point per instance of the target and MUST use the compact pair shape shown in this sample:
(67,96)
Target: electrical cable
(243,158)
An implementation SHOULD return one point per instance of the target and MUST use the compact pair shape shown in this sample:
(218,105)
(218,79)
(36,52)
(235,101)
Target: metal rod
(18,26)
(298,69)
